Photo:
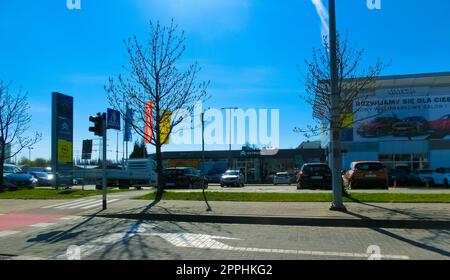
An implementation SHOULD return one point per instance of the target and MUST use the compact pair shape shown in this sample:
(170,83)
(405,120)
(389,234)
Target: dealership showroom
(404,121)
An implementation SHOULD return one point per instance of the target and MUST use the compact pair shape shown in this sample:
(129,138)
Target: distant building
(404,121)
(257,166)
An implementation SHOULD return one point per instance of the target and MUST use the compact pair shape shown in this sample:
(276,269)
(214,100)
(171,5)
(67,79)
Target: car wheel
(222,186)
(446,182)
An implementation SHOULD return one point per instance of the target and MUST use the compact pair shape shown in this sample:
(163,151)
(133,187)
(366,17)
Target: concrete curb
(285,221)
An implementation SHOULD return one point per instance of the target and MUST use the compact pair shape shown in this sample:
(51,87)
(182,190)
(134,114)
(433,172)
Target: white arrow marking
(203,241)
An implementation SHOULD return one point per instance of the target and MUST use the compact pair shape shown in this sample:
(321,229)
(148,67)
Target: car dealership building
(256,165)
(402,121)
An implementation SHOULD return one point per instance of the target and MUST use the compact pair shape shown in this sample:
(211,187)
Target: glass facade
(411,162)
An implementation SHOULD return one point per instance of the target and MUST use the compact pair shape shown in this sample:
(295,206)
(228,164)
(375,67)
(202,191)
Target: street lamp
(335,144)
(230,109)
(29,153)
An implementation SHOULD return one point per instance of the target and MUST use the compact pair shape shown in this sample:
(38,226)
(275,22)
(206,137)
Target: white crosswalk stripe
(7,233)
(80,204)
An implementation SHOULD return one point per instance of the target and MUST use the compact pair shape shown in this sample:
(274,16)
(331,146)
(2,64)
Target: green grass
(50,194)
(302,197)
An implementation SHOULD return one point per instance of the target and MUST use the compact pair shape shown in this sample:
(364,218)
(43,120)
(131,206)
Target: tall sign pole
(335,145)
(62,139)
(104,180)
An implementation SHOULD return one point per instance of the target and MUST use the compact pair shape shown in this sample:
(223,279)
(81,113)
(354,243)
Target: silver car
(233,178)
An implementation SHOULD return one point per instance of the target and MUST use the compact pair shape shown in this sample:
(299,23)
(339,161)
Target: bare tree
(14,123)
(354,81)
(154,77)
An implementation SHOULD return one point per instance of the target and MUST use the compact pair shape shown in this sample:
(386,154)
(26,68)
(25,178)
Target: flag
(165,127)
(127,136)
(149,122)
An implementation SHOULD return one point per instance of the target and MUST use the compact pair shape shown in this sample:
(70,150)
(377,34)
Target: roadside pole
(335,145)
(202,116)
(104,182)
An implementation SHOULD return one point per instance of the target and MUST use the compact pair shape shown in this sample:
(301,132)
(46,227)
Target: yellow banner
(347,120)
(64,152)
(165,127)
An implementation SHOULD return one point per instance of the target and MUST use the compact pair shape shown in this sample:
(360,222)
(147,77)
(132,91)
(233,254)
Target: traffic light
(98,121)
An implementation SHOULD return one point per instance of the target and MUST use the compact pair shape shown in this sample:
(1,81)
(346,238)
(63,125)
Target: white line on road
(61,204)
(199,241)
(76,204)
(43,225)
(7,233)
(99,204)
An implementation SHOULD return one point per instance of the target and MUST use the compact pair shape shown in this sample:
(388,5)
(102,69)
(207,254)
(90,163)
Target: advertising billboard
(402,114)
(62,138)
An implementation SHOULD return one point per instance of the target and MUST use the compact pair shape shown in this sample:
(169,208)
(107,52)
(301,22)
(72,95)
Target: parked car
(412,126)
(401,177)
(441,176)
(440,125)
(233,178)
(14,178)
(184,177)
(314,176)
(367,174)
(425,176)
(377,127)
(282,178)
(214,174)
(43,178)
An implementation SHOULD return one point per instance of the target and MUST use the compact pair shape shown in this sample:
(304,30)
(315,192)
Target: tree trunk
(159,170)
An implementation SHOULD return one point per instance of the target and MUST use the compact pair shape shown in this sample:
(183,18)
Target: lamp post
(29,153)
(230,119)
(335,144)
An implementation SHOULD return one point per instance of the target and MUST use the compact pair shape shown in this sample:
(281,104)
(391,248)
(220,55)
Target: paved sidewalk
(402,215)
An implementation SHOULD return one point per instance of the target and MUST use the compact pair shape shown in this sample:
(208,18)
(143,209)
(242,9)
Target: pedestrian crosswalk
(80,204)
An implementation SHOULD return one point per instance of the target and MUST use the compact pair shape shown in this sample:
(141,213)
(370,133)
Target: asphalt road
(293,189)
(120,239)
(60,230)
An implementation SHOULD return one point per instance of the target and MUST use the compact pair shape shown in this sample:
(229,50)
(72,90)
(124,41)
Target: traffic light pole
(104,181)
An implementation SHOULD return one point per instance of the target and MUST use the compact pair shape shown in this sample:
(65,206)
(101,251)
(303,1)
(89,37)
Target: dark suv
(184,177)
(314,176)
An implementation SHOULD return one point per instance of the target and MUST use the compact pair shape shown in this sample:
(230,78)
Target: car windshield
(316,168)
(175,171)
(373,166)
(414,119)
(12,169)
(232,173)
(41,174)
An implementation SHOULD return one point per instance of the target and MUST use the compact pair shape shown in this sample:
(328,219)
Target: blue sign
(128,137)
(113,118)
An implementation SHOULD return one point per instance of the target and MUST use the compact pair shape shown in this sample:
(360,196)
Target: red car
(378,127)
(441,125)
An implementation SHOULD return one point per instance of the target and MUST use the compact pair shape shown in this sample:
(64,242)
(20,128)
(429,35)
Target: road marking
(80,203)
(7,233)
(99,204)
(108,241)
(61,204)
(43,225)
(69,218)
(76,204)
(203,241)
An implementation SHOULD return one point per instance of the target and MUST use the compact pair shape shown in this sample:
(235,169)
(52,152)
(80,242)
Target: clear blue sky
(248,49)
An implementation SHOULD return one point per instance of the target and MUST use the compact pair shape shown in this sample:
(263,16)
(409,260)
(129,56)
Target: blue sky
(248,49)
